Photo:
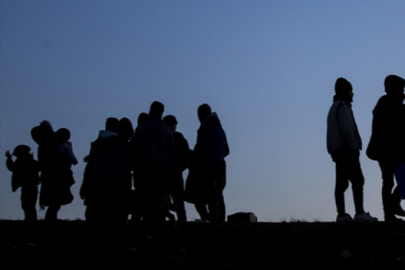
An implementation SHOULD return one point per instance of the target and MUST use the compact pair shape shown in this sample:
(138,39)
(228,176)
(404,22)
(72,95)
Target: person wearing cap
(344,145)
(387,143)
(25,175)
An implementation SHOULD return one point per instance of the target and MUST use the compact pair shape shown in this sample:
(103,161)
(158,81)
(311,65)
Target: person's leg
(357,179)
(52,212)
(28,203)
(202,211)
(387,174)
(217,204)
(342,183)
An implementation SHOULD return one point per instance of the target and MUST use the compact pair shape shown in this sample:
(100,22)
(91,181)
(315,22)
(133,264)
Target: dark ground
(318,245)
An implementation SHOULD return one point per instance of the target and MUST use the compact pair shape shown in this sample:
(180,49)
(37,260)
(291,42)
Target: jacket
(342,132)
(387,140)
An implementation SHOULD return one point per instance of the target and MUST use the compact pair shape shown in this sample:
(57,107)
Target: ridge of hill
(102,245)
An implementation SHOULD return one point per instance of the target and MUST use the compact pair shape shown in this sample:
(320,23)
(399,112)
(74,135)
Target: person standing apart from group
(344,145)
(387,143)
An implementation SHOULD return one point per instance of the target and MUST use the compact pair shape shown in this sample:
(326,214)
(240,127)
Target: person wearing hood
(104,174)
(207,177)
(387,143)
(154,150)
(344,145)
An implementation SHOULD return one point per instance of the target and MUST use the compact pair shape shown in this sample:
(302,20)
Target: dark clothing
(206,179)
(153,145)
(344,145)
(153,151)
(388,131)
(56,175)
(348,169)
(390,195)
(25,175)
(176,182)
(387,146)
(215,197)
(104,177)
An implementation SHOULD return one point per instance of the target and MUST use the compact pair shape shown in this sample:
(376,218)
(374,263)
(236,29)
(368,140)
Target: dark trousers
(52,212)
(390,195)
(176,190)
(28,202)
(216,204)
(348,169)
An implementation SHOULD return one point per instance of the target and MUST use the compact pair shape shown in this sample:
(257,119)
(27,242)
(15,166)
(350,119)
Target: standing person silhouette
(387,143)
(154,151)
(183,152)
(56,175)
(207,178)
(25,175)
(344,145)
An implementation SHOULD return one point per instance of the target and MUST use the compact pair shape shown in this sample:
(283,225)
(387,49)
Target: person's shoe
(365,217)
(344,218)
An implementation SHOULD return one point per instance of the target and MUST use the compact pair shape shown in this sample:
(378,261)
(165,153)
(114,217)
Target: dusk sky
(266,67)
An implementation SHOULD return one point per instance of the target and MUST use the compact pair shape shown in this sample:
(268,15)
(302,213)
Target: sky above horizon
(267,68)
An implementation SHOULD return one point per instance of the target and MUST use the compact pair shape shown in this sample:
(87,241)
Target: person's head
(156,110)
(37,135)
(344,89)
(394,85)
(112,124)
(142,117)
(203,111)
(21,151)
(171,122)
(126,129)
(62,134)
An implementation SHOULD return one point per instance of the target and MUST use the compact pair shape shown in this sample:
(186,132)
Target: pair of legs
(215,198)
(176,190)
(28,202)
(390,195)
(52,212)
(348,169)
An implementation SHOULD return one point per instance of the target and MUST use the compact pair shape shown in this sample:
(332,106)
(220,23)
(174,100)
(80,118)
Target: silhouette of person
(176,186)
(124,190)
(63,137)
(56,175)
(25,175)
(154,152)
(344,145)
(387,143)
(135,208)
(104,174)
(207,178)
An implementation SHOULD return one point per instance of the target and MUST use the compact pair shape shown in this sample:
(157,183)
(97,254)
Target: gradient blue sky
(267,68)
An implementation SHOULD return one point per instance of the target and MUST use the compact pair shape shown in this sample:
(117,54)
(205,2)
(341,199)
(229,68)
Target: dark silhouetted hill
(191,245)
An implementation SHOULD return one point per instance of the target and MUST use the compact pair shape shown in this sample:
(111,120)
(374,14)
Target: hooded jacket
(342,132)
(212,145)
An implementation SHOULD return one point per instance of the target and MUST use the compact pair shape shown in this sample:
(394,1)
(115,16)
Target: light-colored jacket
(342,130)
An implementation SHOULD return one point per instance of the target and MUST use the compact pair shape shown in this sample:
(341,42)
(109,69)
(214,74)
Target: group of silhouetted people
(129,172)
(55,159)
(387,146)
